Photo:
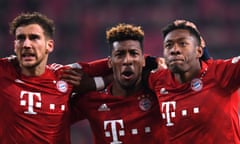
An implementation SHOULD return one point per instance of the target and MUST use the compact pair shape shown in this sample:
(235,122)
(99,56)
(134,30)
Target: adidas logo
(103,107)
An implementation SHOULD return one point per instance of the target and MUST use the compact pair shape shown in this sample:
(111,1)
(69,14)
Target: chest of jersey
(34,105)
(123,120)
(193,109)
(36,96)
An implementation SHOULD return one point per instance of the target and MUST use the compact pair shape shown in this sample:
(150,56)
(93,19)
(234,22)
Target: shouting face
(32,47)
(127,61)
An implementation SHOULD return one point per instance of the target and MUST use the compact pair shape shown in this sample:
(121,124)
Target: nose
(127,59)
(27,43)
(175,50)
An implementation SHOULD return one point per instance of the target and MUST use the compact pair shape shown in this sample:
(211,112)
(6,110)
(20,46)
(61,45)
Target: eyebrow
(178,39)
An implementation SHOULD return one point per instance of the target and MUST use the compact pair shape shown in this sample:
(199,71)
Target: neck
(118,90)
(186,76)
(36,71)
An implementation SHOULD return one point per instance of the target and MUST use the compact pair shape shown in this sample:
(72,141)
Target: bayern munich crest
(145,103)
(62,86)
(196,84)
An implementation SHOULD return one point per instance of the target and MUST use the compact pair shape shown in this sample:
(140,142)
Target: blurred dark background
(81,26)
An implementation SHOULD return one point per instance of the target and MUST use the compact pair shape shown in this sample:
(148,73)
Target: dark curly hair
(33,18)
(124,31)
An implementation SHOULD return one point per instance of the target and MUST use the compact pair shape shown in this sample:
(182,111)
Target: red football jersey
(34,110)
(204,110)
(116,119)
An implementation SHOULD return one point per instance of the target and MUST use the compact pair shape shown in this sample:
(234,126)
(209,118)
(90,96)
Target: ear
(50,45)
(199,51)
(109,62)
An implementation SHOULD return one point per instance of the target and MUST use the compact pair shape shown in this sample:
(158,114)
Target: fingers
(161,63)
(73,72)
(72,76)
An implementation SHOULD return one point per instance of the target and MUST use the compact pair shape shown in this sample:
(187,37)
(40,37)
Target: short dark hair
(124,31)
(182,24)
(33,18)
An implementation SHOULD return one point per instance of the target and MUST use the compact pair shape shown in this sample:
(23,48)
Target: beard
(31,65)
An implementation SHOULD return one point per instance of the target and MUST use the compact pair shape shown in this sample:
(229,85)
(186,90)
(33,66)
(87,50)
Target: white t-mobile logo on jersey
(28,97)
(113,125)
(168,106)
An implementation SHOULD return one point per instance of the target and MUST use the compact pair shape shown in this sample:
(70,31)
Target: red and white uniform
(116,119)
(203,111)
(34,110)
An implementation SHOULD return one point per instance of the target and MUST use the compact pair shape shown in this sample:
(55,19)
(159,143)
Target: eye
(134,53)
(34,37)
(168,45)
(20,37)
(183,44)
(119,54)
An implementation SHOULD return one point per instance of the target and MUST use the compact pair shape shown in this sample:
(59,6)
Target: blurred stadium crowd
(81,25)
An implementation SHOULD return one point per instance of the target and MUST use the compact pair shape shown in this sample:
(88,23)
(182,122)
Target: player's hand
(161,63)
(154,63)
(72,76)
(81,82)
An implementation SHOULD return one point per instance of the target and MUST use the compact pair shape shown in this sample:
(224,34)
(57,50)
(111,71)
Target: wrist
(99,83)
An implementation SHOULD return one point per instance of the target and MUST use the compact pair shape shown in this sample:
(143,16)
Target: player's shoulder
(224,62)
(7,62)
(8,66)
(55,69)
(160,73)
(235,60)
(54,66)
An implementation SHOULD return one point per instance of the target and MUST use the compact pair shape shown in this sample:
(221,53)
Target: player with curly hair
(126,111)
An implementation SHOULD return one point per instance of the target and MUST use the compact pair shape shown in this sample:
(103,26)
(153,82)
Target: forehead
(126,44)
(29,29)
(178,34)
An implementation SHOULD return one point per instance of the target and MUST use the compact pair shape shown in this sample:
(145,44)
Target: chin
(175,69)
(29,65)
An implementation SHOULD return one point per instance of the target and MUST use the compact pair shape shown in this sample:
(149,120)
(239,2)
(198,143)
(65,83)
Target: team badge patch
(145,104)
(62,86)
(196,84)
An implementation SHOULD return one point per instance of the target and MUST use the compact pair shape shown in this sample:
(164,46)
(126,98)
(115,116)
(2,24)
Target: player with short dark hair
(196,97)
(34,100)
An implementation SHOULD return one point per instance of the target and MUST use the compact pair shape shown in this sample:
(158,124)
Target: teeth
(27,54)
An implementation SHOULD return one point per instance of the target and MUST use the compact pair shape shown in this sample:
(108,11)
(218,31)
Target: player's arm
(96,75)
(90,76)
(227,73)
(96,68)
(82,82)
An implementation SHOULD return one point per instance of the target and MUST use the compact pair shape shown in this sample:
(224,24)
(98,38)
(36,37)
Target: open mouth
(127,74)
(27,56)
